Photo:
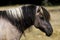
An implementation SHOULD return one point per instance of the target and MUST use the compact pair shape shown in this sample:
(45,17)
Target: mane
(46,14)
(22,17)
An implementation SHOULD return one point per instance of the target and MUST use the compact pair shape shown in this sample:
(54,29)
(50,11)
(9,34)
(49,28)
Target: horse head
(42,18)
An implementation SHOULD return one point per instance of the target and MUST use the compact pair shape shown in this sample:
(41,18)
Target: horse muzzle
(49,31)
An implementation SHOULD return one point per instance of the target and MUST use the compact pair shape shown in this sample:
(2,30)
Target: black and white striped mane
(22,16)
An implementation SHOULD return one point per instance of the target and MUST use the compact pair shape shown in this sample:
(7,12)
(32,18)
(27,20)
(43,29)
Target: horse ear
(39,10)
(45,13)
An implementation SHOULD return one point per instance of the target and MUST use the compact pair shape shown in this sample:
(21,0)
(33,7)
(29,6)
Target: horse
(14,21)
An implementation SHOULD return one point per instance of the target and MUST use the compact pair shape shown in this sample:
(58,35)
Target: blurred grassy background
(35,34)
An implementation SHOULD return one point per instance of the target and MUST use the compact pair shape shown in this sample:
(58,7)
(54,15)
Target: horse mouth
(48,32)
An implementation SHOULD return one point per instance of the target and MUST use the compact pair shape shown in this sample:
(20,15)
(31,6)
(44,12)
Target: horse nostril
(49,32)
(48,35)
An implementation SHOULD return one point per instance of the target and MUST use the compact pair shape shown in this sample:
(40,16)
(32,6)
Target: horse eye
(38,10)
(42,18)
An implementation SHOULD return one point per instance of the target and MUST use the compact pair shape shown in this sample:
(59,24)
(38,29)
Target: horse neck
(29,14)
(27,22)
(23,23)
